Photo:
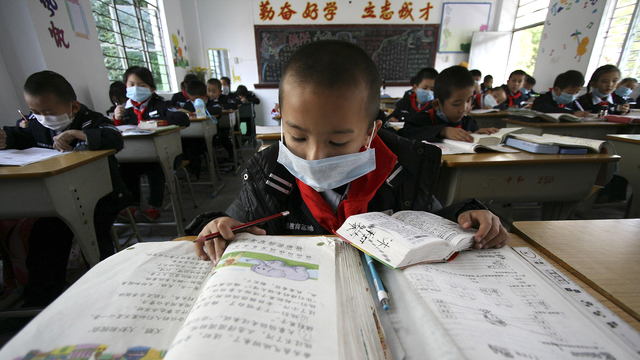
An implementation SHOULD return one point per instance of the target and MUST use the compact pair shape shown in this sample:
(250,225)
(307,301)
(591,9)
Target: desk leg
(214,172)
(74,195)
(167,152)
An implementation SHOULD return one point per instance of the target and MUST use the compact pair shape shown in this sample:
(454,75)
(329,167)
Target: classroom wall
(230,25)
(27,47)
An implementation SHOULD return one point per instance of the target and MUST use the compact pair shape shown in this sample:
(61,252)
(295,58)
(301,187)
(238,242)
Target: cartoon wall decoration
(459,21)
(568,38)
(179,58)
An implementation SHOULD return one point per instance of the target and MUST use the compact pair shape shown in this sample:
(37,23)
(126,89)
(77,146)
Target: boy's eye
(337,144)
(297,139)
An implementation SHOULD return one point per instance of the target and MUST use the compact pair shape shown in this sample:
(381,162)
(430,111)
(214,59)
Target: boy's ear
(415,87)
(75,107)
(376,126)
(435,103)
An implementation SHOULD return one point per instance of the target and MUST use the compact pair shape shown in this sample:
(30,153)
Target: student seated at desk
(180,98)
(487,84)
(445,117)
(225,84)
(600,95)
(477,77)
(625,87)
(515,98)
(145,104)
(422,94)
(58,121)
(214,91)
(527,87)
(193,149)
(242,95)
(117,95)
(490,99)
(563,97)
(327,168)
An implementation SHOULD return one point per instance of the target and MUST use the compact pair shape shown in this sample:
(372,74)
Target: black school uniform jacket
(587,104)
(427,126)
(251,98)
(546,104)
(407,107)
(517,99)
(269,188)
(213,107)
(227,102)
(178,98)
(101,135)
(157,109)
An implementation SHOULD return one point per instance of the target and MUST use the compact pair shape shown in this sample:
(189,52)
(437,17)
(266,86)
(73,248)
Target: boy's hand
(3,139)
(623,108)
(24,124)
(456,134)
(487,131)
(392,119)
(61,141)
(581,113)
(118,113)
(490,232)
(215,247)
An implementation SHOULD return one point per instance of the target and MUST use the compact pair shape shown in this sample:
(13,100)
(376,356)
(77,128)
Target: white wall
(230,25)
(28,47)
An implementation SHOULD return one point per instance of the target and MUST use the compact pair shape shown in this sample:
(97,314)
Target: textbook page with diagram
(269,297)
(494,305)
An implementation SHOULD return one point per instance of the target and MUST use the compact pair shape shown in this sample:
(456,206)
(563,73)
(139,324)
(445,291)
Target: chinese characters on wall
(313,11)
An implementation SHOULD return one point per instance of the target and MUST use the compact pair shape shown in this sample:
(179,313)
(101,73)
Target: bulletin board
(400,51)
(459,22)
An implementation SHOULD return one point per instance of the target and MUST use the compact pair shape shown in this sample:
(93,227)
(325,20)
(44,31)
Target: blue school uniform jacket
(546,104)
(427,125)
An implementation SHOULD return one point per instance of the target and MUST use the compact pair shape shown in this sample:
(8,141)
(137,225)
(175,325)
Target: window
(527,31)
(219,63)
(622,40)
(130,34)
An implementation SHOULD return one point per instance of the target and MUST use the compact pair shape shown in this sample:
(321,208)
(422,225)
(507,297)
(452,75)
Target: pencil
(25,119)
(243,226)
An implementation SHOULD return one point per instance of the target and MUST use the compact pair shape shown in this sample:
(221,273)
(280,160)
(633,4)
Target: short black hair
(530,80)
(334,64)
(569,79)
(628,79)
(599,72)
(450,79)
(426,73)
(487,78)
(242,90)
(118,90)
(49,82)
(143,73)
(499,88)
(197,88)
(187,79)
(226,79)
(215,82)
(475,72)
(517,72)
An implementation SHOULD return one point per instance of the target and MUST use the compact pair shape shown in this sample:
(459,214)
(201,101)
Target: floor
(232,186)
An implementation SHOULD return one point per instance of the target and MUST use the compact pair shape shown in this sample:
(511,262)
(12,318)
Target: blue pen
(382,294)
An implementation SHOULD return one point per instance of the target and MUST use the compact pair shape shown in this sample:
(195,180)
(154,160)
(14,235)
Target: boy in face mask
(417,101)
(625,87)
(490,99)
(58,121)
(332,161)
(563,97)
(446,116)
(226,86)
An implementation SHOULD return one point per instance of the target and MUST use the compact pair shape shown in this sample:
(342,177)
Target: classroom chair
(136,234)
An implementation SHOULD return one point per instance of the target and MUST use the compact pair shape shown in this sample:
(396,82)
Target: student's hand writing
(487,131)
(456,134)
(215,247)
(623,108)
(3,139)
(24,124)
(490,232)
(61,141)
(392,119)
(581,113)
(118,113)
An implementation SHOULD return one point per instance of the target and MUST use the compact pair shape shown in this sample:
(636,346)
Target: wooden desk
(268,139)
(601,253)
(203,128)
(628,147)
(591,130)
(493,119)
(161,147)
(67,186)
(557,181)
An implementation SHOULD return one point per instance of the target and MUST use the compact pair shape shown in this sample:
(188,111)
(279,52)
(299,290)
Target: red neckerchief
(432,116)
(412,98)
(604,102)
(514,96)
(138,108)
(479,98)
(184,93)
(360,192)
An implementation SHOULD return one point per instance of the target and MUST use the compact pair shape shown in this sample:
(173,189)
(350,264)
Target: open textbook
(27,156)
(269,297)
(406,237)
(495,138)
(537,116)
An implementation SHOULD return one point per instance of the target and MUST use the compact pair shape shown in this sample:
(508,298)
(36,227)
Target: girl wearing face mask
(145,104)
(600,94)
(226,87)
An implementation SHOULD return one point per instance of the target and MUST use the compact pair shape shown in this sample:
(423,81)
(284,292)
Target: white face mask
(225,90)
(489,100)
(329,173)
(55,122)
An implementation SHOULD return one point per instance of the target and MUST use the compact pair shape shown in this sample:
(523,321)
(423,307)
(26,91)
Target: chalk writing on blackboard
(399,51)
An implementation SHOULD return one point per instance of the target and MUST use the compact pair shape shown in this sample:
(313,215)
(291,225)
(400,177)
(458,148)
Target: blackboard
(400,51)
